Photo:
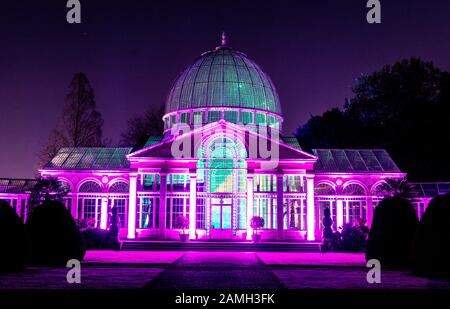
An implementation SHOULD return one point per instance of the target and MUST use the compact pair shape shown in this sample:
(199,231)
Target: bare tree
(139,128)
(80,125)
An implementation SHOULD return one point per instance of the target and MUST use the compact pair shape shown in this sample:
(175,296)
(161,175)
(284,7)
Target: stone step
(220,246)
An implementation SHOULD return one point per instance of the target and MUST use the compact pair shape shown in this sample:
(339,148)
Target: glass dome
(223,84)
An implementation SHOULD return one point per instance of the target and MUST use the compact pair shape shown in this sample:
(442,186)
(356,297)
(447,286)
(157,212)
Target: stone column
(18,205)
(339,212)
(74,209)
(369,211)
(104,213)
(310,208)
(280,208)
(192,205)
(162,205)
(250,200)
(132,207)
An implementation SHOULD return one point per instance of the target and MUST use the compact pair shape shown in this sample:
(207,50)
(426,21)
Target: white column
(250,199)
(18,205)
(104,213)
(310,208)
(162,205)
(141,215)
(339,212)
(302,213)
(74,202)
(270,213)
(347,211)
(132,208)
(192,206)
(369,211)
(280,206)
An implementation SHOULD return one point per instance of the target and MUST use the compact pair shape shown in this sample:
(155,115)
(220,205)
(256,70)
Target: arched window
(119,187)
(378,189)
(63,184)
(90,187)
(355,205)
(354,189)
(324,189)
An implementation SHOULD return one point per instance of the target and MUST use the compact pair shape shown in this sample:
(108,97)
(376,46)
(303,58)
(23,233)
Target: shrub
(392,233)
(256,223)
(85,224)
(96,239)
(431,250)
(53,235)
(327,223)
(181,222)
(13,240)
(352,239)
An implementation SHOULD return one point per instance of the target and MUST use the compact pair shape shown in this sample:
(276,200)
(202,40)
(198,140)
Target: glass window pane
(226,217)
(215,217)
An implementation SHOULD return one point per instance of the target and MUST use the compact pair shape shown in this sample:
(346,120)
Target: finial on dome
(224,39)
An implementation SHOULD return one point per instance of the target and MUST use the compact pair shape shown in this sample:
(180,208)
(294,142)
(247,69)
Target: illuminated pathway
(217,270)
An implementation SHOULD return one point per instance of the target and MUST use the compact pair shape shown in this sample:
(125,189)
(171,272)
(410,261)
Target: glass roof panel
(223,64)
(74,158)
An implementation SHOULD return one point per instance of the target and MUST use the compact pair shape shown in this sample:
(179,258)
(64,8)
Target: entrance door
(221,218)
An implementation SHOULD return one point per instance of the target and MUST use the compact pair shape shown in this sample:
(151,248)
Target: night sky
(132,51)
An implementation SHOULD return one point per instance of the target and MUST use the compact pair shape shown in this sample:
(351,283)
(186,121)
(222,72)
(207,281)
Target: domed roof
(223,78)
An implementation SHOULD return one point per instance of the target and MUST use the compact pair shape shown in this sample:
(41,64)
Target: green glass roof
(354,160)
(432,189)
(89,158)
(291,141)
(223,78)
(8,185)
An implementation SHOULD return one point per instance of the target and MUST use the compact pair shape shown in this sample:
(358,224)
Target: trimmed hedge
(53,235)
(431,249)
(12,240)
(97,239)
(392,233)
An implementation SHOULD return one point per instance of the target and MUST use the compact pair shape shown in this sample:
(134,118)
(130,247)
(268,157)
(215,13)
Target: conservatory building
(221,161)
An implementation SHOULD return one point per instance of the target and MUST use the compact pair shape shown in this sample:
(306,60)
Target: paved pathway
(150,258)
(92,277)
(217,270)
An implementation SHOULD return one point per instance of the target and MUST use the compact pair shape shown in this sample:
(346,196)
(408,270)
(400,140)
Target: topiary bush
(96,239)
(352,239)
(53,235)
(12,240)
(392,232)
(431,249)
